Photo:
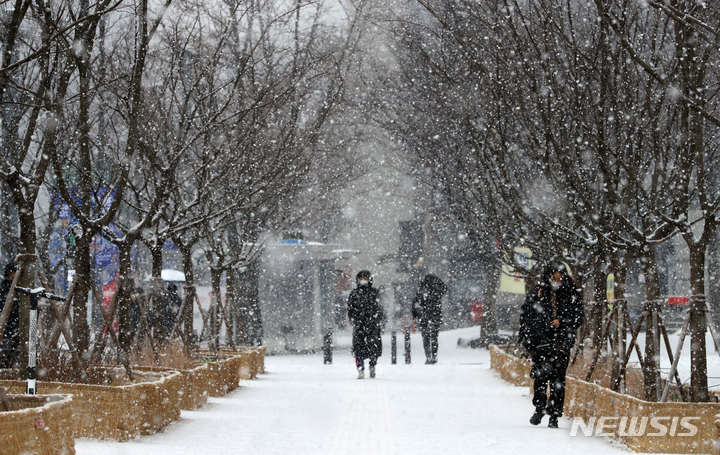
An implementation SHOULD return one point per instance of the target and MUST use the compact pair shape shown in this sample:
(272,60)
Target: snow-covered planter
(511,368)
(598,410)
(667,433)
(192,389)
(118,409)
(223,373)
(38,424)
(253,360)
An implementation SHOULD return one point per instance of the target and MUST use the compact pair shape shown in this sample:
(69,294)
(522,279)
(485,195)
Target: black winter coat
(367,317)
(427,304)
(536,332)
(12,329)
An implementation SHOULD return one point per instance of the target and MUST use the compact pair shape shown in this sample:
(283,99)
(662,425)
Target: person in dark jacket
(549,320)
(427,311)
(11,339)
(367,316)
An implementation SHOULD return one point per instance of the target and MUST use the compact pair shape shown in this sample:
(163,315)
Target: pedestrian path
(301,406)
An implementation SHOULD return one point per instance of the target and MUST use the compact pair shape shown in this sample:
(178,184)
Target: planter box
(586,400)
(590,402)
(512,369)
(253,359)
(38,424)
(224,372)
(118,411)
(192,387)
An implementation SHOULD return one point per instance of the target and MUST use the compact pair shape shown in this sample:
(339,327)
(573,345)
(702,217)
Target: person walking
(11,339)
(427,311)
(367,316)
(549,320)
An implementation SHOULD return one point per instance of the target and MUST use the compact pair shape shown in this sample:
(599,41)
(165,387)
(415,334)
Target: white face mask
(363,282)
(555,285)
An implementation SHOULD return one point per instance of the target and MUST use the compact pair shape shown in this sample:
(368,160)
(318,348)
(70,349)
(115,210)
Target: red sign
(476,311)
(678,300)
(39,424)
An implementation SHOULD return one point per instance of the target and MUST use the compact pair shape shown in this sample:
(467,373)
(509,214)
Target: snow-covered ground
(301,406)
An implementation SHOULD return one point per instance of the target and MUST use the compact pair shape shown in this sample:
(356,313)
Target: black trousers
(549,368)
(430,341)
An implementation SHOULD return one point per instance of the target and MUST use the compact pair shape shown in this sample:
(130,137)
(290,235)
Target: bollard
(327,347)
(35,295)
(32,346)
(393,347)
(407,347)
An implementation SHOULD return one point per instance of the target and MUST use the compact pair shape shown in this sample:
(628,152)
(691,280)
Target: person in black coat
(11,339)
(427,310)
(367,317)
(549,320)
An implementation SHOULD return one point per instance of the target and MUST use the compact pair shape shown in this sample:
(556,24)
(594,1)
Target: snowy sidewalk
(301,406)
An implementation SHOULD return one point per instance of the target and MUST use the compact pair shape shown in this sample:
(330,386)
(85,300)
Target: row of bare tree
(203,123)
(586,130)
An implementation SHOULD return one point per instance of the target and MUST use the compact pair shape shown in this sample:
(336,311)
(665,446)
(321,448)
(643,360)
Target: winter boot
(372,372)
(361,373)
(553,422)
(537,417)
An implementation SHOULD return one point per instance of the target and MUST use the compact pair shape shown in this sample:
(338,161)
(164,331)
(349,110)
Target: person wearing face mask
(550,317)
(367,317)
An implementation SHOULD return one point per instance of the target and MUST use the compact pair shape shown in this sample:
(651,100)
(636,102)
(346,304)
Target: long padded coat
(367,317)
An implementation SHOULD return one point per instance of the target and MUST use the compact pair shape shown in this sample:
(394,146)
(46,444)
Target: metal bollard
(393,347)
(327,347)
(35,295)
(32,346)
(407,347)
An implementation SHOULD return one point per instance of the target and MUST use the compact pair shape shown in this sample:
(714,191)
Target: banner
(511,281)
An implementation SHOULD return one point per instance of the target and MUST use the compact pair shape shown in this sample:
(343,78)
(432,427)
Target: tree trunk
(599,303)
(190,287)
(215,309)
(125,284)
(698,326)
(619,340)
(159,331)
(82,277)
(652,309)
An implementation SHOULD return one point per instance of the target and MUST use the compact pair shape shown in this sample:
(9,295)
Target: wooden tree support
(60,319)
(579,345)
(5,315)
(605,334)
(676,359)
(666,339)
(626,358)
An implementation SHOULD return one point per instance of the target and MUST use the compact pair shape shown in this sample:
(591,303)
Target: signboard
(610,290)
(676,300)
(510,280)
